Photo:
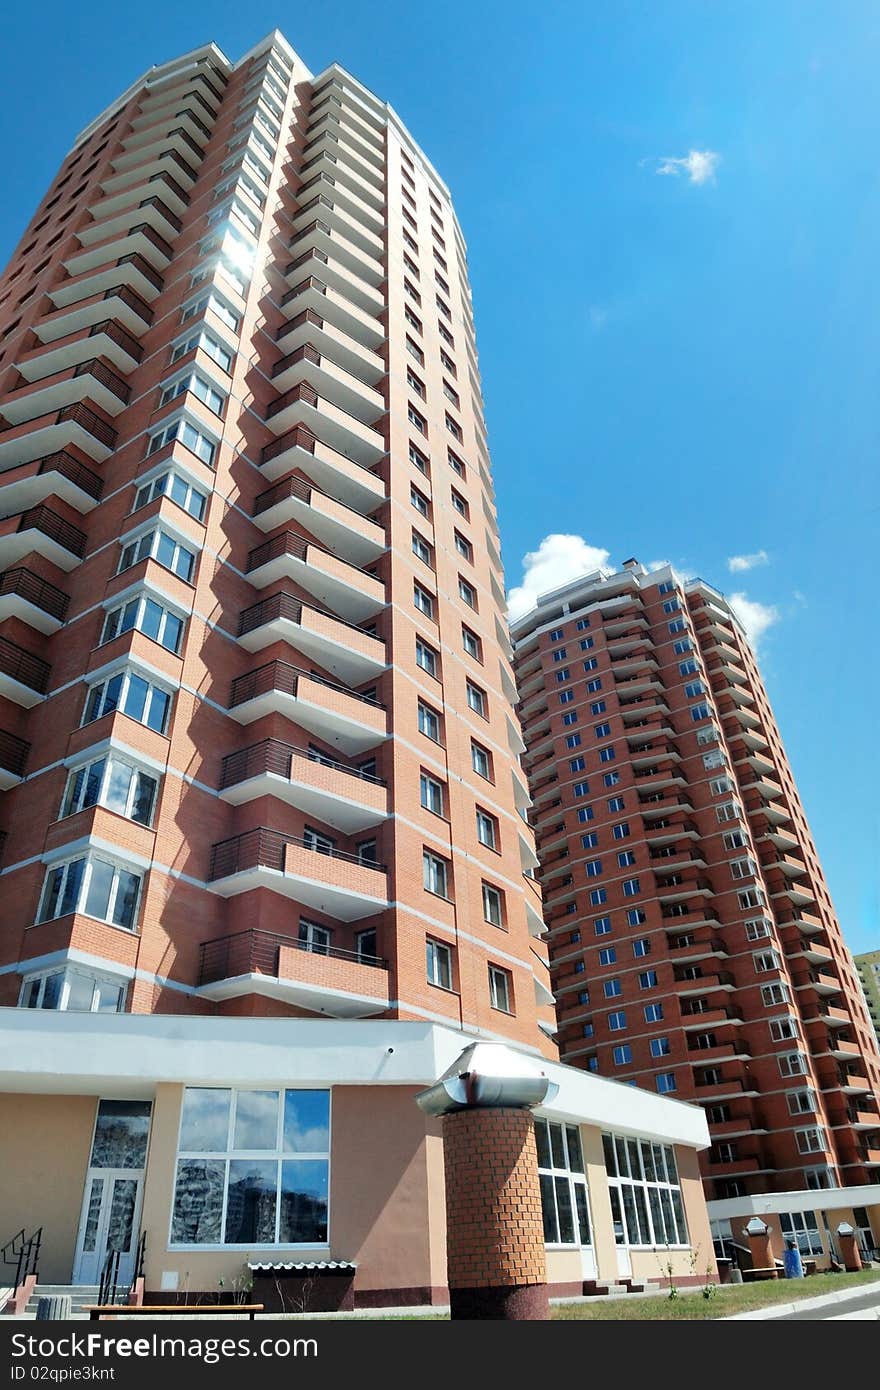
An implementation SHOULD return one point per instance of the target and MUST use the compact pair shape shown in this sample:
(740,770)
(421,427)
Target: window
(749,898)
(611,779)
(671,605)
(162,547)
(471,643)
(493,905)
(435,874)
(72,989)
(500,989)
(648,979)
(616,1021)
(467,592)
(216,305)
(591,840)
(573,741)
(622,1054)
(207,343)
(590,665)
(423,601)
(191,438)
(743,868)
(688,668)
(587,643)
(177,489)
(426,657)
(144,615)
(612,988)
(459,503)
(585,813)
(481,761)
(571,718)
(253,1168)
(783,1029)
(653,1013)
(594,685)
(114,783)
(421,549)
(810,1141)
(414,383)
(200,387)
(455,463)
(454,428)
(593,868)
(766,960)
(598,896)
(476,699)
(566,697)
(561,1173)
(132,696)
(418,421)
(419,501)
(694,688)
(560,654)
(621,831)
(642,947)
(487,829)
(602,730)
(429,722)
(608,955)
(792,1064)
(616,803)
(646,1204)
(439,964)
(677,625)
(801,1103)
(684,644)
(417,458)
(626,858)
(431,793)
(607,755)
(630,887)
(735,839)
(93,886)
(802,1227)
(602,926)
(660,1047)
(598,707)
(700,711)
(463,546)
(577,765)
(635,917)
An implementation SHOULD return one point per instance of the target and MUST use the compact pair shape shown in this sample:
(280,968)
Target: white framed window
(743,868)
(429,722)
(757,928)
(643,1185)
(564,1199)
(431,793)
(766,960)
(471,643)
(421,549)
(493,905)
(801,1102)
(487,829)
(162,547)
(423,601)
(114,783)
(774,994)
(253,1168)
(93,886)
(783,1029)
(133,696)
(803,1228)
(438,960)
(435,874)
(207,343)
(792,1064)
(476,699)
(146,615)
(467,592)
(190,437)
(177,489)
(729,811)
(217,305)
(199,386)
(811,1141)
(73,989)
(426,657)
(500,989)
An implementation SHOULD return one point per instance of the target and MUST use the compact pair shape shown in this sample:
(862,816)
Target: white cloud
(698,165)
(558,559)
(755,617)
(738,563)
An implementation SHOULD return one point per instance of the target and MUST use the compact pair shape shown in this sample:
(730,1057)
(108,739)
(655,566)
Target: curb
(806,1305)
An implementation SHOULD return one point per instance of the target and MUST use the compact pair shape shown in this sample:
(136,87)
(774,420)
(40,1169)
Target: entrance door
(110,1221)
(111,1209)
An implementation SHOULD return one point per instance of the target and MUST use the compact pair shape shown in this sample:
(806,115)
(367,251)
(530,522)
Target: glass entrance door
(111,1210)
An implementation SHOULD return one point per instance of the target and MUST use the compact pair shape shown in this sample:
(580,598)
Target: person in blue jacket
(794,1267)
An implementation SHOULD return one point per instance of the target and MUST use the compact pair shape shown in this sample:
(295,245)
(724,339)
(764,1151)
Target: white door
(624,1263)
(588,1262)
(110,1221)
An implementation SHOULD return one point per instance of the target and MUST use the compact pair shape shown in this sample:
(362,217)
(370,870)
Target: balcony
(152,211)
(336,276)
(337,884)
(330,378)
(352,655)
(57,475)
(318,235)
(333,307)
(341,170)
(73,425)
(308,326)
(141,240)
(161,184)
(92,379)
(350,722)
(119,303)
(13,758)
(811,951)
(343,530)
(329,791)
(42,531)
(714,947)
(345,479)
(24,678)
(693,1018)
(323,980)
(689,983)
(822,982)
(106,339)
(853,1083)
(672,887)
(329,116)
(167,159)
(347,590)
(367,222)
(35,601)
(133,270)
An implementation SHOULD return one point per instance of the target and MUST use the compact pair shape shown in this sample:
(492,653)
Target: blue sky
(673,368)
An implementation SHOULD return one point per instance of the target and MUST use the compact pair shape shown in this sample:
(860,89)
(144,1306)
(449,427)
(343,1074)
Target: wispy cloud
(698,166)
(737,564)
(558,559)
(755,617)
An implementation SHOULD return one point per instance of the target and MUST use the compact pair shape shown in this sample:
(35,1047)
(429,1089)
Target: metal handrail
(272,755)
(265,848)
(23,1251)
(253,950)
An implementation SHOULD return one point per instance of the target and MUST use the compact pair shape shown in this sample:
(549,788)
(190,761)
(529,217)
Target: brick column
(494,1230)
(849,1248)
(758,1233)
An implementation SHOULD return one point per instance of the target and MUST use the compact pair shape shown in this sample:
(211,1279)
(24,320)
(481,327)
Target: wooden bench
(96,1311)
(761,1272)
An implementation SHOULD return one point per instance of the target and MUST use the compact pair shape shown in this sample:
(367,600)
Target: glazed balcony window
(133,696)
(94,887)
(73,990)
(145,615)
(115,784)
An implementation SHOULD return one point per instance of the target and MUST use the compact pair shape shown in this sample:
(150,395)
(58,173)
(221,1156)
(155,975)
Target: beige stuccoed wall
(44,1154)
(386,1173)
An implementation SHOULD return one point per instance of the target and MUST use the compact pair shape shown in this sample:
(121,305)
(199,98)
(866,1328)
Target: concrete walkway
(857,1302)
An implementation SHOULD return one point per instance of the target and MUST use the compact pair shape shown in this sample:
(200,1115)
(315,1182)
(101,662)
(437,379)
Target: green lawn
(728,1299)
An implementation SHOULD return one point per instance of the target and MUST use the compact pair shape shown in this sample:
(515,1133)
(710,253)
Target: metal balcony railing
(23,666)
(273,755)
(42,518)
(74,471)
(13,753)
(257,953)
(35,590)
(283,677)
(265,849)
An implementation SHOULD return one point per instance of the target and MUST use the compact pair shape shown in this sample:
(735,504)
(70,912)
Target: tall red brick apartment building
(265,865)
(693,943)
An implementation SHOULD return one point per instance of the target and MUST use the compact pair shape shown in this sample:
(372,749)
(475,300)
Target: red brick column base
(850,1253)
(494,1230)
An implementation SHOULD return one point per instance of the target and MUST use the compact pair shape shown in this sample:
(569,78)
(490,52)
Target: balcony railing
(171,218)
(257,953)
(13,753)
(286,607)
(272,755)
(74,471)
(143,268)
(283,677)
(43,519)
(132,300)
(118,335)
(95,368)
(87,420)
(23,666)
(35,590)
(266,849)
